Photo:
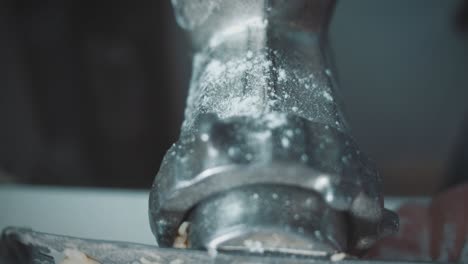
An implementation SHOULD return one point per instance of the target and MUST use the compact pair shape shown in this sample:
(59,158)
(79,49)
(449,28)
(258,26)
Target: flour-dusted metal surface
(27,246)
(262,110)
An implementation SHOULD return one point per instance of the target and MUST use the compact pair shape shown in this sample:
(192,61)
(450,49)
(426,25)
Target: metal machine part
(295,210)
(26,246)
(265,162)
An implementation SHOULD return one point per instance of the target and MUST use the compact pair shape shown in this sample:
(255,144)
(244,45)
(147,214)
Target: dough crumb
(74,256)
(181,241)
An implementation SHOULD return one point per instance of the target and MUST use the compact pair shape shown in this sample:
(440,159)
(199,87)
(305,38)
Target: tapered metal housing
(265,162)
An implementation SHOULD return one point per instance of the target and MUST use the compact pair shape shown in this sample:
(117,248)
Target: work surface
(107,214)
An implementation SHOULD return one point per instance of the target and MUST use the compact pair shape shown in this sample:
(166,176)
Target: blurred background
(92,92)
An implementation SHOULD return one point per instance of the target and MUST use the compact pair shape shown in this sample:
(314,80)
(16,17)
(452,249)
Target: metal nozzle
(262,119)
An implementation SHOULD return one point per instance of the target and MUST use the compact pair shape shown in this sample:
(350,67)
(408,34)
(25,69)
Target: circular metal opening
(267,219)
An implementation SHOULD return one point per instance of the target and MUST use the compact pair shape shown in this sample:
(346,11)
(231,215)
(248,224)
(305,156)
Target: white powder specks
(327,96)
(204,137)
(282,75)
(240,106)
(235,87)
(285,142)
(245,85)
(215,68)
(274,120)
(254,246)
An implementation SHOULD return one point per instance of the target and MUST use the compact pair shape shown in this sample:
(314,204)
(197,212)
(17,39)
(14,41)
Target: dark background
(92,92)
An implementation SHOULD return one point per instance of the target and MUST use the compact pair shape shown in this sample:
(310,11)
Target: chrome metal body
(263,134)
